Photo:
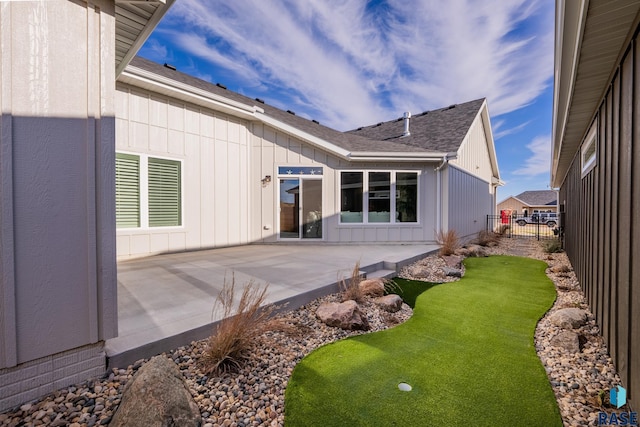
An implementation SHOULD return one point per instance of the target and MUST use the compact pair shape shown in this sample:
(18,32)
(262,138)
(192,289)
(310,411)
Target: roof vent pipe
(407,116)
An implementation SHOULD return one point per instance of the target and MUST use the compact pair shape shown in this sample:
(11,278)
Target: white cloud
(157,50)
(538,162)
(498,132)
(351,63)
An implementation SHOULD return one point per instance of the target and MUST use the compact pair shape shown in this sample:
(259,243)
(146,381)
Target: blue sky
(351,63)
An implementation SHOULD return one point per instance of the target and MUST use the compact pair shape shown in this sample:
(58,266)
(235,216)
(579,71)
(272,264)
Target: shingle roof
(539,197)
(435,131)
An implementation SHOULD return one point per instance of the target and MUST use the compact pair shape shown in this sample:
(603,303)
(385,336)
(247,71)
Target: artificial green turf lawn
(467,351)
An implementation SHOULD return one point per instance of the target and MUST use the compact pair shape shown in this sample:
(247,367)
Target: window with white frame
(148,191)
(588,151)
(378,197)
(127,191)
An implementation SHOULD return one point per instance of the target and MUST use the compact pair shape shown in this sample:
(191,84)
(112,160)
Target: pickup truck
(548,218)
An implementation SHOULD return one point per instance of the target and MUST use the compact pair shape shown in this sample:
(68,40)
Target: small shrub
(230,344)
(448,241)
(552,246)
(487,238)
(352,290)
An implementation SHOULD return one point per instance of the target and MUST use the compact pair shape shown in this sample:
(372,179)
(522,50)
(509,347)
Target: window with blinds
(165,208)
(127,191)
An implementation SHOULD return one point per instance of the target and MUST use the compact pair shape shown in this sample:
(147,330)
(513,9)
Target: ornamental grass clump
(449,242)
(487,238)
(352,290)
(241,326)
(552,246)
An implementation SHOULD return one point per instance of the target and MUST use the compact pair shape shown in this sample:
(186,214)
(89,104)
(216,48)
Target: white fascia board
(142,78)
(556,122)
(566,45)
(486,118)
(483,114)
(313,140)
(162,8)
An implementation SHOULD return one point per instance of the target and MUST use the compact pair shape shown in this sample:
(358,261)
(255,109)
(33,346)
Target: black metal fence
(532,226)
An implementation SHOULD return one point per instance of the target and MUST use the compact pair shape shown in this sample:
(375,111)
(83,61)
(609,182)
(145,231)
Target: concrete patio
(166,301)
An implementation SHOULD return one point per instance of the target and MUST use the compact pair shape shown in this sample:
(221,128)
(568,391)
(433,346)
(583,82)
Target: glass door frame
(301,174)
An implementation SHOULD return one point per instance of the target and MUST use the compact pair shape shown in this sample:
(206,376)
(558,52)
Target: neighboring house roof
(589,38)
(434,135)
(439,130)
(135,20)
(536,198)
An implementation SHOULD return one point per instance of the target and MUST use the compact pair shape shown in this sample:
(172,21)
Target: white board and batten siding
(271,149)
(473,154)
(213,151)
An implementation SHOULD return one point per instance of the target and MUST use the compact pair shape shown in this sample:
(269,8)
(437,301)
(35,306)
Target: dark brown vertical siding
(624,213)
(587,243)
(602,226)
(606,148)
(599,170)
(634,233)
(615,178)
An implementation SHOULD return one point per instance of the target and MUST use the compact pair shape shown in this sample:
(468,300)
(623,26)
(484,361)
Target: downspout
(438,169)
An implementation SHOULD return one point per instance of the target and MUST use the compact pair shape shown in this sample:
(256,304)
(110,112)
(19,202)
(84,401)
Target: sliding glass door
(300,203)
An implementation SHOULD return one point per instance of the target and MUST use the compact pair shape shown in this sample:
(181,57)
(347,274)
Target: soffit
(584,69)
(135,20)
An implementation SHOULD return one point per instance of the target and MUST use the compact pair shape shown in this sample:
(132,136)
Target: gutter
(396,156)
(143,79)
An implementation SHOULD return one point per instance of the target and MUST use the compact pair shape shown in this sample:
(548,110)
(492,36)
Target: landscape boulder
(477,251)
(472,251)
(569,318)
(157,396)
(567,340)
(453,261)
(344,315)
(560,268)
(391,303)
(372,287)
(452,272)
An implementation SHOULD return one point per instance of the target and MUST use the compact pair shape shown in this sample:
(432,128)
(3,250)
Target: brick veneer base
(37,378)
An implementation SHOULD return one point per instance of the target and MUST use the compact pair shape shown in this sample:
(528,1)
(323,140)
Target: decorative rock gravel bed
(255,396)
